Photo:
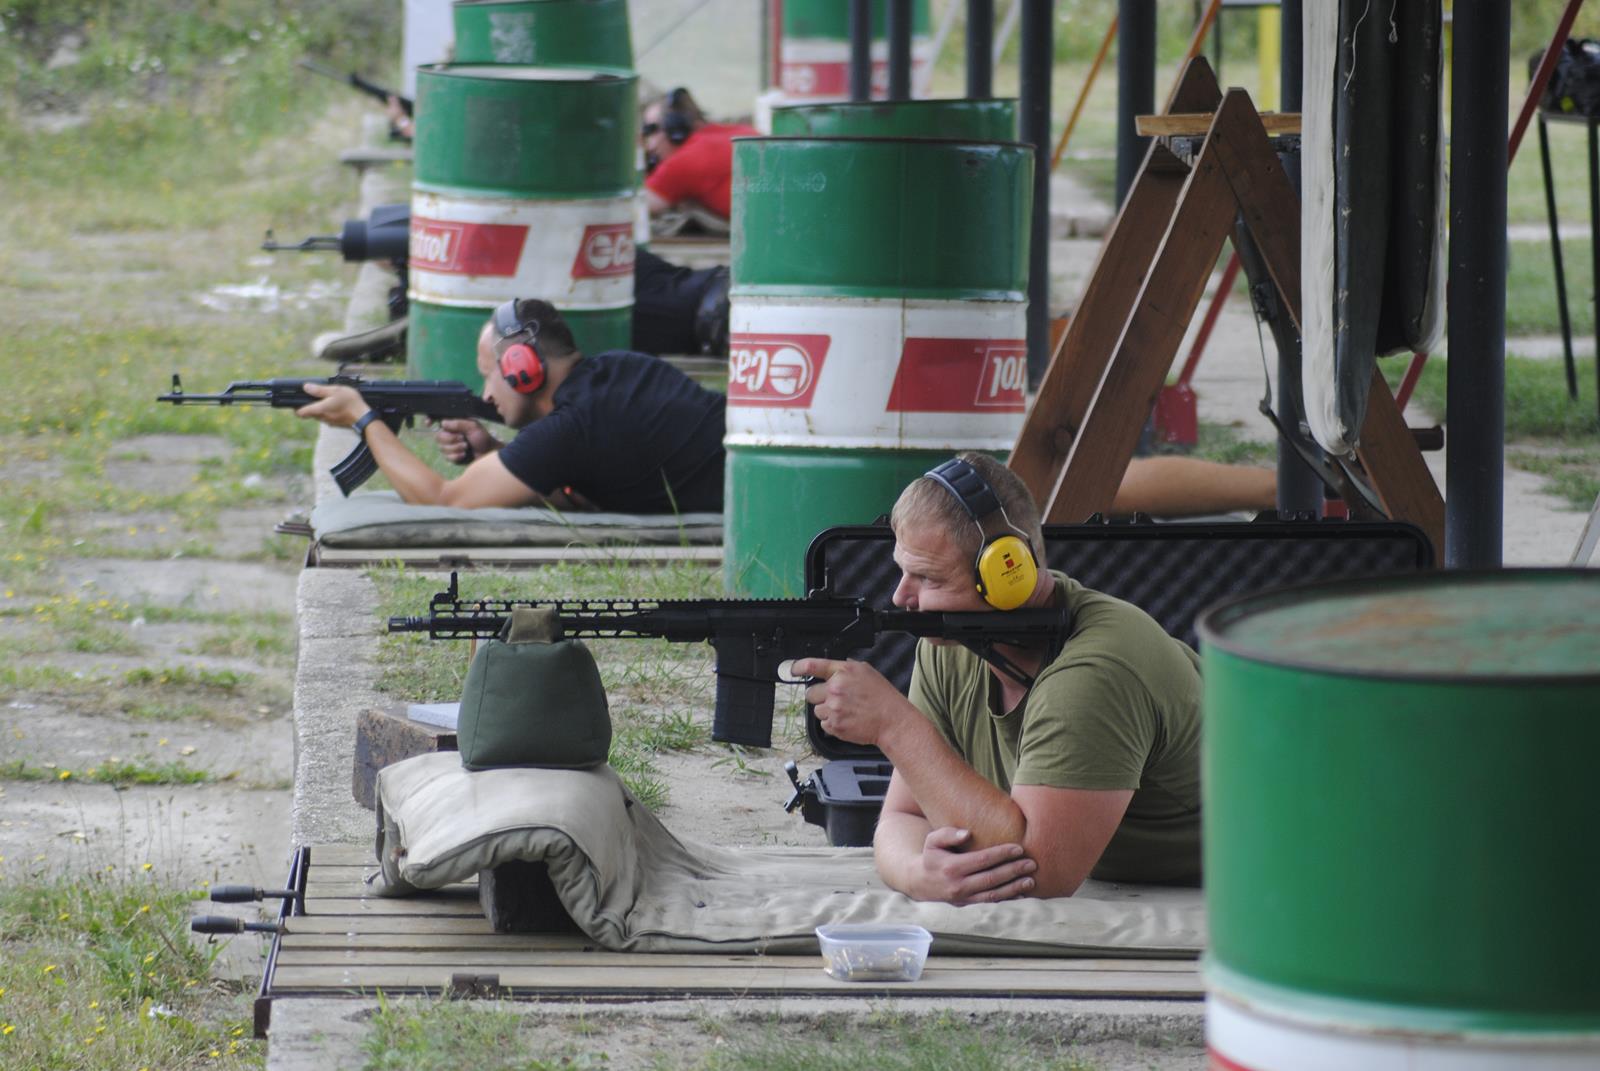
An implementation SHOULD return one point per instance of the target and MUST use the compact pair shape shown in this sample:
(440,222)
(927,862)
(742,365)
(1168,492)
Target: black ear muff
(674,123)
(1005,570)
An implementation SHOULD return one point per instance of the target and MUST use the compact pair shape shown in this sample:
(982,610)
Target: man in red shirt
(690,160)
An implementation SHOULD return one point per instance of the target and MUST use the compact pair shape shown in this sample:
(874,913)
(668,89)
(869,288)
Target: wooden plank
(936,980)
(1265,197)
(459,907)
(1270,209)
(291,954)
(1396,468)
(389,923)
(1194,124)
(306,941)
(1144,353)
(1065,391)
(343,854)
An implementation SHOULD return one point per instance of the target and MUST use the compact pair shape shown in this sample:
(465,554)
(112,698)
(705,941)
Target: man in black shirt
(618,431)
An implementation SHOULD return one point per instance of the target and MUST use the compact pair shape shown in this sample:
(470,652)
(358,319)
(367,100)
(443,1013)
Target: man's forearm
(949,791)
(897,848)
(410,476)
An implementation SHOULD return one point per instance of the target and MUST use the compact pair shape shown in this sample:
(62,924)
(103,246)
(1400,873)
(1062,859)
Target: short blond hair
(926,501)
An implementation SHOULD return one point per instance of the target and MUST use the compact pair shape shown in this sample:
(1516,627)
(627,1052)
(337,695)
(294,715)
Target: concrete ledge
(333,684)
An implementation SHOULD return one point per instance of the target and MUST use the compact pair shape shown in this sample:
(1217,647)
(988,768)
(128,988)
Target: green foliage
(97,971)
(119,772)
(225,680)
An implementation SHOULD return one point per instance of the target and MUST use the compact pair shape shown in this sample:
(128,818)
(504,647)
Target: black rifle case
(1172,570)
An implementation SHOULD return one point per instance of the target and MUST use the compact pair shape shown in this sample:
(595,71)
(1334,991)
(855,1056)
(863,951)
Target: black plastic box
(1174,571)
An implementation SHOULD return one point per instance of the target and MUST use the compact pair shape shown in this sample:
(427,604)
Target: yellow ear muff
(1007,573)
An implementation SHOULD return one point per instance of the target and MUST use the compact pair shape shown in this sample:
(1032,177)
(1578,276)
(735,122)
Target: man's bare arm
(935,864)
(486,482)
(1064,830)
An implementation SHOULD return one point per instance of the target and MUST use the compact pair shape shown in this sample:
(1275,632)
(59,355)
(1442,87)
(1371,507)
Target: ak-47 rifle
(753,638)
(396,401)
(372,89)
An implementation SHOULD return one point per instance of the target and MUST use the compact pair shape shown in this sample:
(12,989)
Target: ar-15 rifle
(396,401)
(372,89)
(753,638)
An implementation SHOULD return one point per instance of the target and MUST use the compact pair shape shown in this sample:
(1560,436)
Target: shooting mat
(380,520)
(633,886)
(1372,255)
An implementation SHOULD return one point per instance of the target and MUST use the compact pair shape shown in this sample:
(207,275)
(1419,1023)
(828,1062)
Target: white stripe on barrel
(849,373)
(476,251)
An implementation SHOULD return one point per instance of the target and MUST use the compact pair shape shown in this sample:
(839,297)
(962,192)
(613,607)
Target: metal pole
(898,27)
(1476,290)
(764,79)
(980,40)
(860,49)
(1299,489)
(1038,57)
(1136,84)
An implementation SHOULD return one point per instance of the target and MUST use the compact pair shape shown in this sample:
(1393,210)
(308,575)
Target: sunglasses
(648,129)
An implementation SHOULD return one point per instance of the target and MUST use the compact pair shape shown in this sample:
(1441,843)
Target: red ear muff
(521,366)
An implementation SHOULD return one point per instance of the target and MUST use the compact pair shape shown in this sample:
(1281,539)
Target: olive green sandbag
(533,700)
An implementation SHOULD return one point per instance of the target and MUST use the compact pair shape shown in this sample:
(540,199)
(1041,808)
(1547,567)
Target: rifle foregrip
(744,712)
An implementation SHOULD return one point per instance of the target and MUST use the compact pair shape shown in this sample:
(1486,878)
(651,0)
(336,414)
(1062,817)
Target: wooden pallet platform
(350,942)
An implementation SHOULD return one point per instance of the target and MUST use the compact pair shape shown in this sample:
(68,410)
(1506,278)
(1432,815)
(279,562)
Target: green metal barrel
(876,327)
(524,186)
(544,33)
(958,120)
(1400,819)
(814,55)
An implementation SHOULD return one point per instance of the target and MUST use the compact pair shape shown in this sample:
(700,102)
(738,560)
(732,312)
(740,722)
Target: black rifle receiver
(396,401)
(371,89)
(753,638)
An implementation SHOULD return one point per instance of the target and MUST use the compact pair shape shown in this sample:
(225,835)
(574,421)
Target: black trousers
(667,301)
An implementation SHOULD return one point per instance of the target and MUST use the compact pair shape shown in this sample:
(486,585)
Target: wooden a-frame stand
(1151,272)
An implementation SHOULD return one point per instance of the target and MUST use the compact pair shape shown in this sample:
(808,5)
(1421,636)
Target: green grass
(98,971)
(1223,444)
(147,693)
(1531,307)
(1547,432)
(120,772)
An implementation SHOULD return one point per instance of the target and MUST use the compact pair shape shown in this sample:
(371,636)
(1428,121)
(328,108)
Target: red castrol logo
(960,375)
(606,250)
(453,248)
(775,370)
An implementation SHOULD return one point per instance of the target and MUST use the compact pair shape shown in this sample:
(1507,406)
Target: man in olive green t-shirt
(1089,764)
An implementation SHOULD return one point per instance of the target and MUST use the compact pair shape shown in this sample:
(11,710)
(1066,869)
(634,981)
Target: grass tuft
(98,971)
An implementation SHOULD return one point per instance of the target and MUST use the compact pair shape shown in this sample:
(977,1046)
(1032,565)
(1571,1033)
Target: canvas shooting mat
(633,886)
(1372,209)
(379,519)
